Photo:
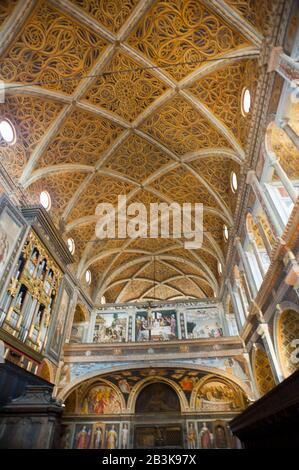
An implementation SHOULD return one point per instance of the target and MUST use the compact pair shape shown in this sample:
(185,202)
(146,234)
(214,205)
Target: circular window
(225,232)
(233,182)
(219,267)
(45,200)
(71,245)
(7,131)
(246,101)
(88,276)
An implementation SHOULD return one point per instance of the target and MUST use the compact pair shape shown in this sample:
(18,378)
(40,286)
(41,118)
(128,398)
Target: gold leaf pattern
(137,159)
(51,50)
(101,189)
(182,186)
(6,8)
(221,91)
(263,373)
(31,118)
(126,94)
(111,13)
(82,139)
(61,188)
(288,331)
(256,12)
(178,126)
(183,31)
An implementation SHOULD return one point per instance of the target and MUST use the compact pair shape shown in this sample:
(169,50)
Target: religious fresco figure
(83,438)
(220,437)
(112,437)
(205,437)
(101,399)
(124,436)
(98,437)
(191,437)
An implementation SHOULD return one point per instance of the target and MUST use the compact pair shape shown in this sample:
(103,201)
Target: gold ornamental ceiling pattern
(136,98)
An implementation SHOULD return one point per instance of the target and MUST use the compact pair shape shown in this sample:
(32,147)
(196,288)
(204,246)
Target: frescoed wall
(110,328)
(101,399)
(152,325)
(208,435)
(216,395)
(191,320)
(152,407)
(204,323)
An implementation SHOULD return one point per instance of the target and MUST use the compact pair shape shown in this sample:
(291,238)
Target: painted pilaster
(263,331)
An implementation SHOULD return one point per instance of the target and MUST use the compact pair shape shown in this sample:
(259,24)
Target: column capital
(262,329)
(272,158)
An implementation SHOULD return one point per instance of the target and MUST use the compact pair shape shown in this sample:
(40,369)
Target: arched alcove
(78,327)
(157,397)
(287,332)
(262,371)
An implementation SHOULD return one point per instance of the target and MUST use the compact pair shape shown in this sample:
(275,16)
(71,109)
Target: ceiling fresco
(136,98)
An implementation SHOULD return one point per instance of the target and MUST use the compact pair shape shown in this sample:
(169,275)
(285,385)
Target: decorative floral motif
(82,139)
(183,31)
(52,51)
(178,126)
(111,13)
(128,92)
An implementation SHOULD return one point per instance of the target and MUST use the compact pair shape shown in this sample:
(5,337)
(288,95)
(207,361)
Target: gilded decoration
(153,245)
(112,293)
(183,31)
(128,272)
(218,395)
(215,170)
(221,92)
(185,186)
(287,332)
(32,117)
(187,288)
(134,290)
(262,371)
(82,139)
(137,159)
(55,50)
(31,295)
(128,92)
(100,189)
(51,50)
(110,13)
(159,271)
(61,186)
(101,266)
(182,129)
(6,8)
(82,234)
(254,11)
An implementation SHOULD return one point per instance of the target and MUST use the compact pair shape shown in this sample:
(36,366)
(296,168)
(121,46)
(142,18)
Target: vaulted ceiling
(132,97)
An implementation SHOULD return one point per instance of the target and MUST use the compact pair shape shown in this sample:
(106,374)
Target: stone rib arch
(63,393)
(106,382)
(207,378)
(283,348)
